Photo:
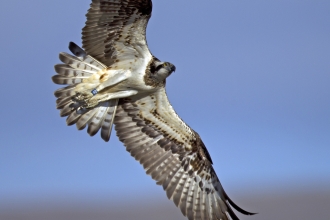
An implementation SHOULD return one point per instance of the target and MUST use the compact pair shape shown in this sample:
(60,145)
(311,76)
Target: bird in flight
(115,79)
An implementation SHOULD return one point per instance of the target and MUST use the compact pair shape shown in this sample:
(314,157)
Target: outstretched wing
(174,155)
(116,30)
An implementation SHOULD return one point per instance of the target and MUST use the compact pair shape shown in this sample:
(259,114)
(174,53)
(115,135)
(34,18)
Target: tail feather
(108,120)
(78,63)
(63,80)
(95,63)
(72,72)
(85,119)
(66,110)
(67,91)
(67,70)
(96,122)
(73,118)
(61,102)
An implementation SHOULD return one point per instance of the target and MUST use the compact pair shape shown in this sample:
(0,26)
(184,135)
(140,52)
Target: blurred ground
(286,204)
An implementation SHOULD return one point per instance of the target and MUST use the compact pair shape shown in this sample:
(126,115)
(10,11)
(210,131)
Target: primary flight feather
(116,80)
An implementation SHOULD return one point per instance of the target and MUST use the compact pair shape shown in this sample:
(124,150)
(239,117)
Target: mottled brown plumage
(116,80)
(173,154)
(113,28)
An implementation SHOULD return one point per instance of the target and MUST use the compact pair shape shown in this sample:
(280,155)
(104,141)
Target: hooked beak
(173,68)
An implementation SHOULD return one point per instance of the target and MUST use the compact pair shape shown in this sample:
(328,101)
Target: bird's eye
(164,64)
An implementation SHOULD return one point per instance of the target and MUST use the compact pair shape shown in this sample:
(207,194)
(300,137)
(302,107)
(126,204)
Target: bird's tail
(77,72)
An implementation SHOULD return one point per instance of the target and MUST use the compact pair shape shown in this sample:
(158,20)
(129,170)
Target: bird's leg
(95,100)
(109,80)
(87,93)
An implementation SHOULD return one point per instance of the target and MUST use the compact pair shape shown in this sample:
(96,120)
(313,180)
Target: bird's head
(162,70)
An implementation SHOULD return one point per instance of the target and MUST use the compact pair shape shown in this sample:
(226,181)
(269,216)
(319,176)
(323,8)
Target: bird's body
(116,80)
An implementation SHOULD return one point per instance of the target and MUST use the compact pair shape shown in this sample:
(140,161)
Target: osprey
(116,80)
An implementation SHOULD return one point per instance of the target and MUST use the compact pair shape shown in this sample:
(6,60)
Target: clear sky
(252,78)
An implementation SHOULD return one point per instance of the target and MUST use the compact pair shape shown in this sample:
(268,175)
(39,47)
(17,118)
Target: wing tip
(76,50)
(239,209)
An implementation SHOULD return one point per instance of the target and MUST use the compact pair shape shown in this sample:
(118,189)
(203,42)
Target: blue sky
(253,79)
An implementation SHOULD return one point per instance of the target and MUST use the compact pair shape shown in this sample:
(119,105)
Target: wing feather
(190,200)
(157,162)
(125,134)
(164,168)
(114,28)
(184,196)
(143,152)
(153,157)
(138,143)
(196,203)
(211,207)
(216,207)
(175,188)
(203,205)
(171,179)
(173,154)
